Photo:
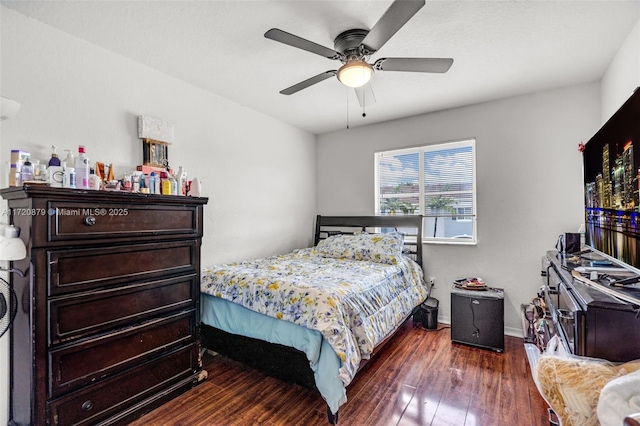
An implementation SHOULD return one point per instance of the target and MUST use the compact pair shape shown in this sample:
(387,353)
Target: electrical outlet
(432,281)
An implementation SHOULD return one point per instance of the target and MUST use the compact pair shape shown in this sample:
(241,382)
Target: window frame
(421,149)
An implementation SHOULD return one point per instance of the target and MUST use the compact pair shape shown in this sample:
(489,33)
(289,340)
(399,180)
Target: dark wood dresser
(110,302)
(589,320)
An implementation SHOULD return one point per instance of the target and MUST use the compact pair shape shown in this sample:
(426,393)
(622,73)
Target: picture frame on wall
(155,153)
(156,135)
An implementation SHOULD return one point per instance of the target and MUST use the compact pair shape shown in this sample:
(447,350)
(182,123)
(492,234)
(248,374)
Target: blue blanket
(324,362)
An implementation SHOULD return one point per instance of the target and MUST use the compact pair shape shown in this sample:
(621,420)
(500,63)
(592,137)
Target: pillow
(380,248)
(572,385)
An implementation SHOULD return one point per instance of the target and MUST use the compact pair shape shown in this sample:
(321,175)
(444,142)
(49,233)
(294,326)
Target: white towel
(618,399)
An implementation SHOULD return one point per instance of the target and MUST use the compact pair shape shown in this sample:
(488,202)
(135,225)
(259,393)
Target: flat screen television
(612,186)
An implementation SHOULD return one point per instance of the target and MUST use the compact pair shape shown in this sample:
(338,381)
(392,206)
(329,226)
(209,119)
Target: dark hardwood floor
(419,378)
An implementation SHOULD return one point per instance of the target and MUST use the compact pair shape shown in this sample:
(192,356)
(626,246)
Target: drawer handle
(87,405)
(89,220)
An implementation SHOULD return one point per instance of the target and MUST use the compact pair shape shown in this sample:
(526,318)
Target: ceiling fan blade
(365,95)
(393,19)
(308,82)
(301,43)
(436,65)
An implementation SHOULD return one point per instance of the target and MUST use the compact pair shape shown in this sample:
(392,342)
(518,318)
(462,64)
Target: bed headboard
(410,226)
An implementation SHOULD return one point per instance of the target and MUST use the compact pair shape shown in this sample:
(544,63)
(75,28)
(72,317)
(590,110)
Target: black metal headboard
(410,226)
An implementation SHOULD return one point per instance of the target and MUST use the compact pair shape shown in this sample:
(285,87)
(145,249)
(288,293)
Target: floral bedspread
(354,304)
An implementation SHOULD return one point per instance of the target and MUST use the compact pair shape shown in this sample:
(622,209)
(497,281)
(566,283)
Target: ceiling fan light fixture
(355,73)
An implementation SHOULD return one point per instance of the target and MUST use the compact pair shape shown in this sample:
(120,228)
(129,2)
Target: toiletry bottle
(35,174)
(157,188)
(26,172)
(165,183)
(135,183)
(181,177)
(73,181)
(154,184)
(68,177)
(174,184)
(54,160)
(82,169)
(40,172)
(94,180)
(69,161)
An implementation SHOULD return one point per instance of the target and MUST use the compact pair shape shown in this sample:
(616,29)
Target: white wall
(259,173)
(622,76)
(529,183)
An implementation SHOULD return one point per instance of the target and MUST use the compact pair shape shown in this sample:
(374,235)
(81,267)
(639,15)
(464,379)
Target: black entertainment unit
(586,314)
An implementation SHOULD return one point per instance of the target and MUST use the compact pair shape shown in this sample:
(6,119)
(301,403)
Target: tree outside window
(435,181)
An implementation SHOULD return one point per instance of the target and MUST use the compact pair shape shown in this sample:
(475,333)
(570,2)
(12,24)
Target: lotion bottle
(165,183)
(69,161)
(181,178)
(174,184)
(94,181)
(82,169)
(54,160)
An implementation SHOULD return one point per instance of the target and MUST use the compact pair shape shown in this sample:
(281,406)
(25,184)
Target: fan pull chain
(347,112)
(364,102)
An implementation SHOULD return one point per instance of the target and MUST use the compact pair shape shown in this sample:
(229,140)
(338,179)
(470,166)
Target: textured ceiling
(500,48)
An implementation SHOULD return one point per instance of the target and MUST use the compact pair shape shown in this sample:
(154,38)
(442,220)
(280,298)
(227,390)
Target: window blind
(435,181)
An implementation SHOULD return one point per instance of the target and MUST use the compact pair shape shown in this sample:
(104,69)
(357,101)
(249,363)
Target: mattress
(348,305)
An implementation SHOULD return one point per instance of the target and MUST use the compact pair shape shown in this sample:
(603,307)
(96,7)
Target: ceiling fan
(354,47)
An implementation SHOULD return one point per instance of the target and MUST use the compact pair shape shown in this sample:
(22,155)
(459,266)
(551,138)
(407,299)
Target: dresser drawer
(79,315)
(88,269)
(100,400)
(101,221)
(83,362)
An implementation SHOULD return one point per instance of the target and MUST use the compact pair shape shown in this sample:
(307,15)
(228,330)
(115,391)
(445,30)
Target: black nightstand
(477,317)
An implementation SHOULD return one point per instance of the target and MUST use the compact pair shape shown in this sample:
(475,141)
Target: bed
(315,316)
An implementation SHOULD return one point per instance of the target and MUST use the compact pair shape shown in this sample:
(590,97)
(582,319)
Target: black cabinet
(477,317)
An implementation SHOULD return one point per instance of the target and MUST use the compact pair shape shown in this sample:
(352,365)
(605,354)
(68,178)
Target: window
(435,181)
